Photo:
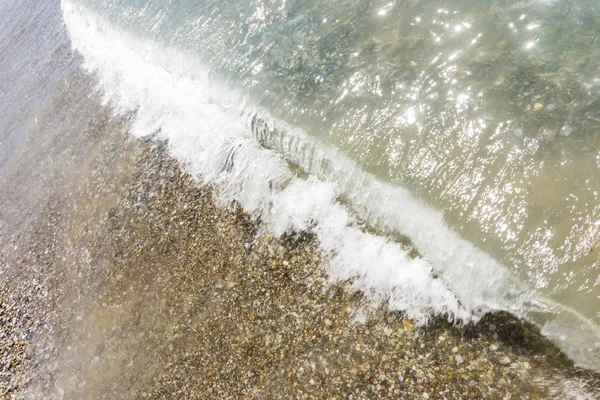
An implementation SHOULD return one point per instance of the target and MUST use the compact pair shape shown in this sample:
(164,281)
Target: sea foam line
(208,128)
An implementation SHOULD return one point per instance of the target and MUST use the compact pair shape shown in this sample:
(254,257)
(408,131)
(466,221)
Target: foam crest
(222,142)
(392,209)
(206,129)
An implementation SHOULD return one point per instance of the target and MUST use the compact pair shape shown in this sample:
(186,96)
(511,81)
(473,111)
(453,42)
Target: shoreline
(181,298)
(121,276)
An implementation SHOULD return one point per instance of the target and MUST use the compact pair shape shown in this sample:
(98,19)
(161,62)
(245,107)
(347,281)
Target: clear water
(470,130)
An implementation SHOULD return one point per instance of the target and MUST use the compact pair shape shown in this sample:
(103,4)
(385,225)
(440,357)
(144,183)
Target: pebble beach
(140,283)
(127,271)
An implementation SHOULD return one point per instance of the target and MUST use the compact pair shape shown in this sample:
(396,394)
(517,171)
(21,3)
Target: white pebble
(566,130)
(548,134)
(518,132)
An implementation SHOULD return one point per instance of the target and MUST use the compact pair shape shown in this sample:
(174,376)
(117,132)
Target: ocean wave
(291,181)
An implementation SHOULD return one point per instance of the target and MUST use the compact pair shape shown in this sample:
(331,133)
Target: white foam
(479,281)
(205,128)
(208,128)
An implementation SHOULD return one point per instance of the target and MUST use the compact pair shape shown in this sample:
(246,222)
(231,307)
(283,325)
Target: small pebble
(538,107)
(518,132)
(459,359)
(566,130)
(548,134)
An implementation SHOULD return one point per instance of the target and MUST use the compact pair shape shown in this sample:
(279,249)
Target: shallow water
(466,128)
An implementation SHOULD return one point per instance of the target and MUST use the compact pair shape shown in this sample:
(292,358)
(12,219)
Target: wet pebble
(518,132)
(566,130)
(548,134)
(504,360)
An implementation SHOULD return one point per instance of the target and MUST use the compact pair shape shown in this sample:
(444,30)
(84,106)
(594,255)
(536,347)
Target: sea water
(445,154)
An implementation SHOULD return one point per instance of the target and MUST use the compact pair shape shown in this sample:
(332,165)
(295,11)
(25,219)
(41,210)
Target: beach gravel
(169,293)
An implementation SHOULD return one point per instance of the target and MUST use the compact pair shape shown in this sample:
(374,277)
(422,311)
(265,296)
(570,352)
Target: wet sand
(131,282)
